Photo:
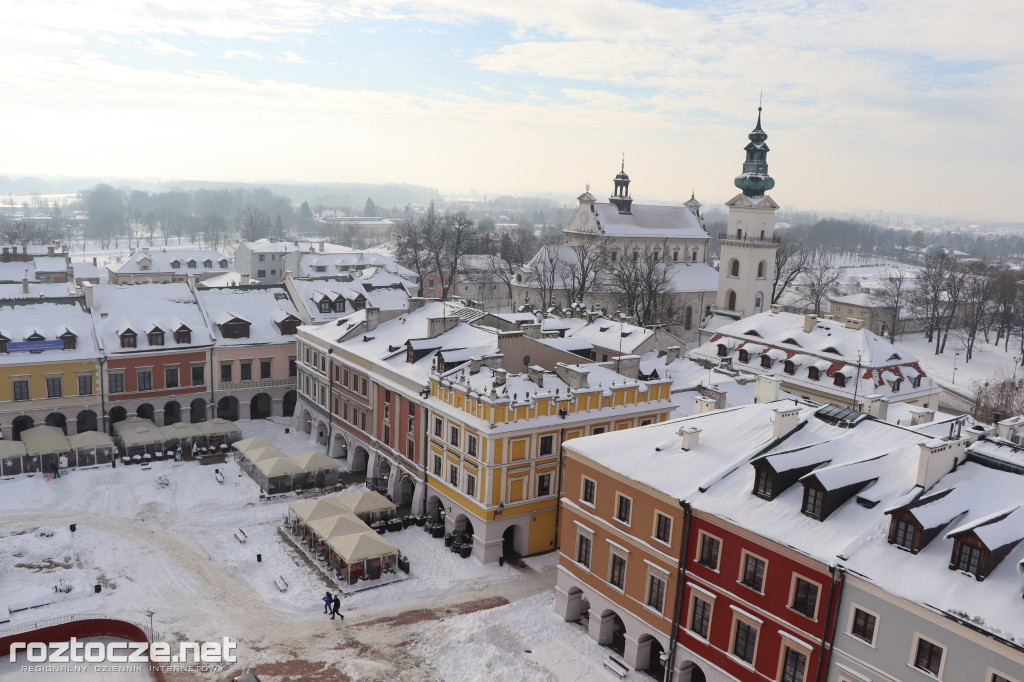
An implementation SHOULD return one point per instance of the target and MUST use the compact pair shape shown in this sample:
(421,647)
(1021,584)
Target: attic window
(969,559)
(813,373)
(128,339)
(175,264)
(191,263)
(722,350)
(207,263)
(339,305)
(156,338)
(744,355)
(70,340)
(752,332)
(325,305)
(223,263)
(791,340)
(895,384)
(814,502)
(604,329)
(766,361)
(904,533)
(831,349)
(916,381)
(895,356)
(764,484)
(789,367)
(839,380)
(183,336)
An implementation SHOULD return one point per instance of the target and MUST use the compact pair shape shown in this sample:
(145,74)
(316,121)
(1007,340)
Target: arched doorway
(145,411)
(405,489)
(197,410)
(87,421)
(172,413)
(289,404)
(59,420)
(381,474)
(691,672)
(321,433)
(307,422)
(259,406)
(22,423)
(508,544)
(463,524)
(731,305)
(227,408)
(117,414)
(615,639)
(340,448)
(434,507)
(651,663)
(359,458)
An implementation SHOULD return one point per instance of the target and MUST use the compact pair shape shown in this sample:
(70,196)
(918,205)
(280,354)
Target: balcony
(725,236)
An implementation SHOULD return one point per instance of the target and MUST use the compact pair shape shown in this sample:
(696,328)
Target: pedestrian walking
(337,607)
(327,600)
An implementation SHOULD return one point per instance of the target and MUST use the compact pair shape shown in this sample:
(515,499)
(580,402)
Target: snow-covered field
(988,360)
(162,538)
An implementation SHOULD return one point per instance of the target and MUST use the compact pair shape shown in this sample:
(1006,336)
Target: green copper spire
(755,181)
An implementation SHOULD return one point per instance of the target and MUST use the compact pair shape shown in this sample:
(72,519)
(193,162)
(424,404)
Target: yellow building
(49,366)
(494,452)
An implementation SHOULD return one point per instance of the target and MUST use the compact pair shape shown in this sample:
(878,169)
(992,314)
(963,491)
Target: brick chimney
(372,317)
(531,329)
(500,376)
(627,365)
(536,374)
(766,389)
(854,323)
(573,376)
(691,437)
(877,405)
(439,325)
(938,458)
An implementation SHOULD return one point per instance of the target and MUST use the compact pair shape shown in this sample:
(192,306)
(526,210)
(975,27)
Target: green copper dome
(755,181)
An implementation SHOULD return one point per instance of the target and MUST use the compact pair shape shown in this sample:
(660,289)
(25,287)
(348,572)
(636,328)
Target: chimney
(786,419)
(979,431)
(439,325)
(702,404)
(1008,428)
(24,283)
(776,308)
(499,377)
(88,292)
(49,250)
(691,436)
(7,255)
(321,247)
(809,322)
(536,375)
(572,375)
(921,415)
(372,317)
(854,323)
(416,302)
(244,278)
(95,264)
(672,354)
(714,394)
(474,364)
(766,389)
(938,458)
(531,329)
(876,405)
(627,365)
(592,315)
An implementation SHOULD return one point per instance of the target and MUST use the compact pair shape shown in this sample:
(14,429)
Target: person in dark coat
(327,600)
(336,608)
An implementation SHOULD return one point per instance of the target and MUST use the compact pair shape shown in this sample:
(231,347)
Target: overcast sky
(893,105)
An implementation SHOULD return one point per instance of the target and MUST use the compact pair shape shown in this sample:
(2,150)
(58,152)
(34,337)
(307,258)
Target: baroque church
(613,249)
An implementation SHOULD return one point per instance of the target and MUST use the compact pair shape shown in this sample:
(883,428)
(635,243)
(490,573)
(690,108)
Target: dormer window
(831,349)
(235,329)
(722,350)
(969,558)
(764,483)
(156,338)
(766,361)
(791,340)
(70,340)
(325,305)
(839,380)
(895,356)
(814,502)
(896,385)
(339,305)
(916,381)
(128,339)
(175,264)
(904,533)
(223,263)
(744,355)
(183,335)
(813,373)
(789,367)
(191,263)
(288,325)
(207,263)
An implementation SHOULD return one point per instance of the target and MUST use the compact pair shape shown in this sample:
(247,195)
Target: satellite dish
(526,359)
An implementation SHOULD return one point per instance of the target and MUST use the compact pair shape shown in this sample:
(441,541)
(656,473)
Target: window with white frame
(656,584)
(543,485)
(794,666)
(453,474)
(863,624)
(662,527)
(589,491)
(707,551)
(744,640)
(753,572)
(928,655)
(584,546)
(470,485)
(700,616)
(805,597)
(623,509)
(471,445)
(617,572)
(547,445)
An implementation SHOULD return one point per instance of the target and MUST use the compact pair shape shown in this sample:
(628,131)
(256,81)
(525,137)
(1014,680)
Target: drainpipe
(213,402)
(558,498)
(330,399)
(103,398)
(684,550)
(834,594)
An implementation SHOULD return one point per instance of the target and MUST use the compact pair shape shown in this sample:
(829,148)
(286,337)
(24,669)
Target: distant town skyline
(872,105)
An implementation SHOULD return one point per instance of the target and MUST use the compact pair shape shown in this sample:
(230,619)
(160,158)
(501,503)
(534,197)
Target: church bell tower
(746,269)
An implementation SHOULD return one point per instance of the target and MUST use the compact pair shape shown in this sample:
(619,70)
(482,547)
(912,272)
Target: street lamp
(955,356)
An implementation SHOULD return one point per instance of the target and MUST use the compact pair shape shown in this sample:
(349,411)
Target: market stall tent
(247,444)
(12,455)
(275,475)
(369,505)
(337,526)
(91,447)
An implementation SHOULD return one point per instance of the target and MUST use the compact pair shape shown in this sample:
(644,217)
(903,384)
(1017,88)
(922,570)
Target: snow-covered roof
(612,334)
(37,290)
(674,222)
(172,261)
(20,320)
(379,291)
(16,272)
(170,306)
(261,308)
(50,264)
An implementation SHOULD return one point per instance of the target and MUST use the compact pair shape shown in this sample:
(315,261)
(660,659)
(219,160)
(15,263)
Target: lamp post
(955,356)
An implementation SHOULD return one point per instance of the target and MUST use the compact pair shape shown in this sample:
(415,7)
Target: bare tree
(447,241)
(254,222)
(516,246)
(999,397)
(644,284)
(411,251)
(584,269)
(105,206)
(929,294)
(977,299)
(543,273)
(791,260)
(820,280)
(892,297)
(1006,301)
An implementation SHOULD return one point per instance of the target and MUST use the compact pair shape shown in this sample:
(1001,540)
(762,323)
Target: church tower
(620,198)
(746,269)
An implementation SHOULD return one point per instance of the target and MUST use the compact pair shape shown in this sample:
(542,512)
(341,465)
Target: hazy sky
(893,105)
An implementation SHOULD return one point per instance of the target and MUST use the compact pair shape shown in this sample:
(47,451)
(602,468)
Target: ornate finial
(623,166)
(760,98)
(588,186)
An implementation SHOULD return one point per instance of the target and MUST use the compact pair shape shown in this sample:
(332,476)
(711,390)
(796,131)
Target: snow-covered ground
(162,538)
(987,362)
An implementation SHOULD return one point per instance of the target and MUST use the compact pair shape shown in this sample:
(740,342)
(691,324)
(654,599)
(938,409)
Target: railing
(725,236)
(61,620)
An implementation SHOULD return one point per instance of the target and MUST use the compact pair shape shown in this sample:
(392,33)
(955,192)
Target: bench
(241,536)
(281,583)
(618,668)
